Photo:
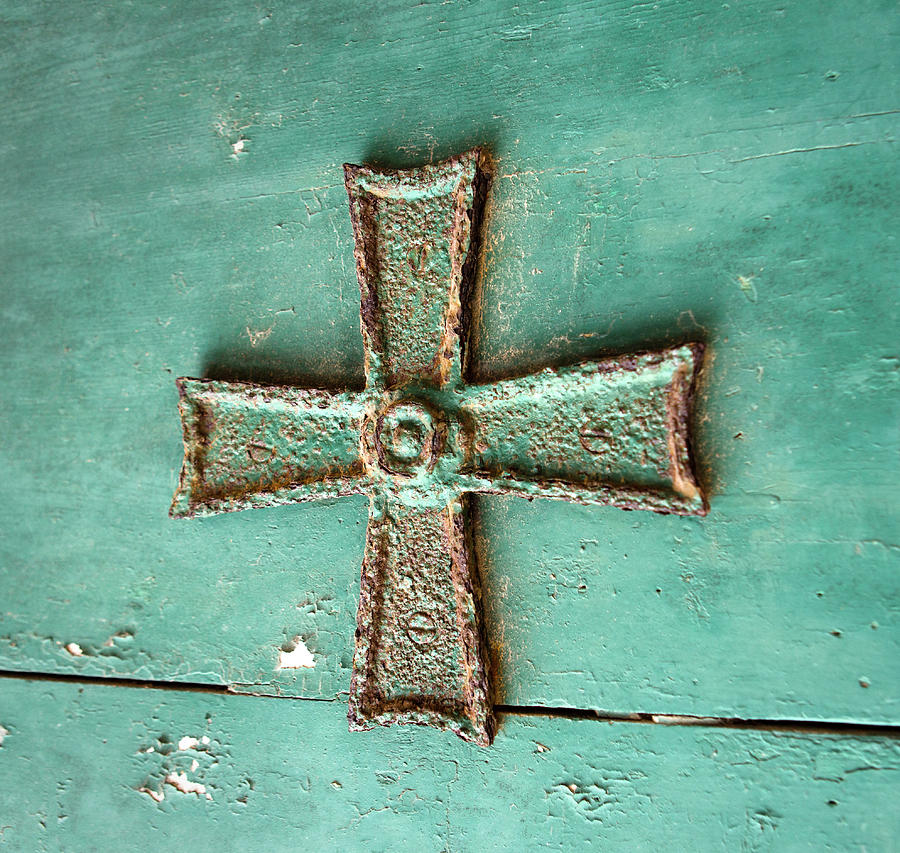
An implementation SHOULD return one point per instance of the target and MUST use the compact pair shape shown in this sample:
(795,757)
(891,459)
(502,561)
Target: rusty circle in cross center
(409,437)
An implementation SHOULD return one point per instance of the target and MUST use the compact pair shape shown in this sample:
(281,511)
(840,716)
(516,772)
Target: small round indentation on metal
(595,440)
(259,452)
(418,257)
(421,628)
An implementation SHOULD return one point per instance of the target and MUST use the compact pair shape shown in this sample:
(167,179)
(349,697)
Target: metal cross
(419,440)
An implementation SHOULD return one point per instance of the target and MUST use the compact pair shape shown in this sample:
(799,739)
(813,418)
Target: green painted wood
(85,768)
(688,170)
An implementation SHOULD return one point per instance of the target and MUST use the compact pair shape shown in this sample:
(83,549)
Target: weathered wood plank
(113,768)
(173,205)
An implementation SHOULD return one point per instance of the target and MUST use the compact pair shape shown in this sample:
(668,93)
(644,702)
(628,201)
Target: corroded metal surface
(412,237)
(612,431)
(418,439)
(248,445)
(419,655)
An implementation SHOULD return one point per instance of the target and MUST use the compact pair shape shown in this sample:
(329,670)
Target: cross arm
(412,235)
(249,445)
(419,643)
(610,432)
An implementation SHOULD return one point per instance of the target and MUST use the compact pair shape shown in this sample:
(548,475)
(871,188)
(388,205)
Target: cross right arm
(609,432)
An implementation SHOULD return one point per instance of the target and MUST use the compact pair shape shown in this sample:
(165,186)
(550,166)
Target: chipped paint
(272,777)
(156,796)
(180,782)
(296,656)
(192,764)
(103,655)
(189,742)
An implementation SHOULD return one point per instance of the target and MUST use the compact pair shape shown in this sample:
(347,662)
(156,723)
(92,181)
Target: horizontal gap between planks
(804,726)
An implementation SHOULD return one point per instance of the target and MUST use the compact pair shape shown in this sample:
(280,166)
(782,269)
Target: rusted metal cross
(419,440)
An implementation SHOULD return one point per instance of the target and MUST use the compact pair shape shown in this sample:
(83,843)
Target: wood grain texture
(665,173)
(113,768)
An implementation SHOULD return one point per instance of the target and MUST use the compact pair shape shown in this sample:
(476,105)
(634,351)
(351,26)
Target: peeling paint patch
(3,734)
(295,656)
(682,720)
(180,782)
(188,742)
(156,796)
(199,765)
(745,282)
(257,336)
(110,655)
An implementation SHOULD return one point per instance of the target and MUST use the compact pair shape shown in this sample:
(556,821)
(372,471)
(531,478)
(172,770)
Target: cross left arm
(252,445)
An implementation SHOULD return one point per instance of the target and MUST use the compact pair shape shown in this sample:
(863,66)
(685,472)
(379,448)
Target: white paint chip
(180,782)
(189,742)
(74,649)
(296,658)
(157,796)
(3,733)
(682,720)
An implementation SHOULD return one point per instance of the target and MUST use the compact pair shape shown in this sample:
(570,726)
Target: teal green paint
(280,774)
(691,171)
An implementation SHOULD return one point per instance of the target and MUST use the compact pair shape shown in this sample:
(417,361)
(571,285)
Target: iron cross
(419,440)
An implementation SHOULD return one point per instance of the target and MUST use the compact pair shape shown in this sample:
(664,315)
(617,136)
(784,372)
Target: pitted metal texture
(419,440)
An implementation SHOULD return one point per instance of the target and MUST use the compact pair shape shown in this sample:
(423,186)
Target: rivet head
(406,438)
